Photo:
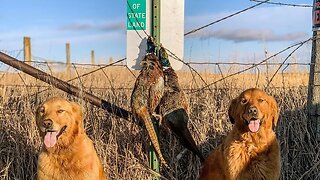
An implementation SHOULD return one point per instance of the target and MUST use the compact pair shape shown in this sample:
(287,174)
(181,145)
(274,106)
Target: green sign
(136,15)
(316,15)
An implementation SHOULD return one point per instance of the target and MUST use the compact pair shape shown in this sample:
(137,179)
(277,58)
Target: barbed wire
(47,61)
(284,62)
(86,74)
(285,4)
(14,53)
(122,88)
(48,86)
(188,90)
(224,18)
(115,64)
(248,64)
(103,66)
(255,65)
(11,51)
(171,54)
(112,88)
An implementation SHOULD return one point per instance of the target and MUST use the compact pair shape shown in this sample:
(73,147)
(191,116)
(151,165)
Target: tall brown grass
(123,145)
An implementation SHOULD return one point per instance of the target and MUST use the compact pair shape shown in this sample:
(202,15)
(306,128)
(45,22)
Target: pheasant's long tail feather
(152,133)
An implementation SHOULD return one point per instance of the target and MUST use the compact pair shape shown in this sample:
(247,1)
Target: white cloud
(245,35)
(86,26)
(88,38)
(280,20)
(43,36)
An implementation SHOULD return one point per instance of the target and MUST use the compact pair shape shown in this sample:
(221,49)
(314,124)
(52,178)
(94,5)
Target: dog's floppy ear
(231,110)
(40,111)
(274,110)
(76,108)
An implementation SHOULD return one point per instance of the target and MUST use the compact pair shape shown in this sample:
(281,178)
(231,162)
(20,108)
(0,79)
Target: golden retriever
(251,150)
(67,153)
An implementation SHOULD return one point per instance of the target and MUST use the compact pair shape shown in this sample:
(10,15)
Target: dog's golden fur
(67,153)
(251,150)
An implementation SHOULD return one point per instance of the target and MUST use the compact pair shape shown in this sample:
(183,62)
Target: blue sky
(100,25)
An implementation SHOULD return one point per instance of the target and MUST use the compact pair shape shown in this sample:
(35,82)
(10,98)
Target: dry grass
(123,145)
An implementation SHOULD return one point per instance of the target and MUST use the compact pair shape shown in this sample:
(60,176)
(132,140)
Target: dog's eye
(60,111)
(261,100)
(41,110)
(244,101)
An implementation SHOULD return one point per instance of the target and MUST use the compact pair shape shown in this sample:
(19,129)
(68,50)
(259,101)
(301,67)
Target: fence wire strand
(298,47)
(255,65)
(286,4)
(83,75)
(171,54)
(224,18)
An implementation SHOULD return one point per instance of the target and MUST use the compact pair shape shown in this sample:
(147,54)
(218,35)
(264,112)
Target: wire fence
(285,4)
(116,72)
(225,70)
(115,79)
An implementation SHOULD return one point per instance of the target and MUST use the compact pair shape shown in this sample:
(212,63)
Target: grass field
(123,146)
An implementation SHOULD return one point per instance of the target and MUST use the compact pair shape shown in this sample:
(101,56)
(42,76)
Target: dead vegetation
(123,145)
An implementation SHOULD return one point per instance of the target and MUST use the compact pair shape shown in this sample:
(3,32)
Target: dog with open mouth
(251,150)
(67,151)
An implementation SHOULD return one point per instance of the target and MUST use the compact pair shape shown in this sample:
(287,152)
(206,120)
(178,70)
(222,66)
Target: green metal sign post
(142,18)
(155,31)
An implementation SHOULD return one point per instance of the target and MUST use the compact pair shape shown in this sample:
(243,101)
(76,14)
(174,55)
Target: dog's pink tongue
(254,125)
(50,139)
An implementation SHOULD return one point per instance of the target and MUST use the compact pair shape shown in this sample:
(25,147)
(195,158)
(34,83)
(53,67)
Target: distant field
(123,145)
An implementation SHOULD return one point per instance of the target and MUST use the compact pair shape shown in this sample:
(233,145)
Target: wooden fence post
(68,59)
(313,103)
(92,57)
(267,64)
(27,50)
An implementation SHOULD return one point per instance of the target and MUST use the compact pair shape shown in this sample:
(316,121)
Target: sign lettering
(136,15)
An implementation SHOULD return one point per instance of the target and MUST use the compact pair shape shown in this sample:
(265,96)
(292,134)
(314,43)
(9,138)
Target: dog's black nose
(47,123)
(252,110)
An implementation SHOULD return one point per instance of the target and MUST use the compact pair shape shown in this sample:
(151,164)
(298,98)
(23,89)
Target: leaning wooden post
(27,50)
(66,87)
(92,57)
(68,60)
(313,103)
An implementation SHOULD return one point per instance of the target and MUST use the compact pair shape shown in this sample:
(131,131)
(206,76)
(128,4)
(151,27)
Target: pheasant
(174,107)
(146,96)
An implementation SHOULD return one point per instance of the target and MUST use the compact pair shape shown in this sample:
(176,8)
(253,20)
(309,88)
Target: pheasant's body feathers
(146,96)
(174,109)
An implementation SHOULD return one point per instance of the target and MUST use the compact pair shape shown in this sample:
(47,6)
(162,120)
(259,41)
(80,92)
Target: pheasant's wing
(139,96)
(177,122)
(174,107)
(156,92)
